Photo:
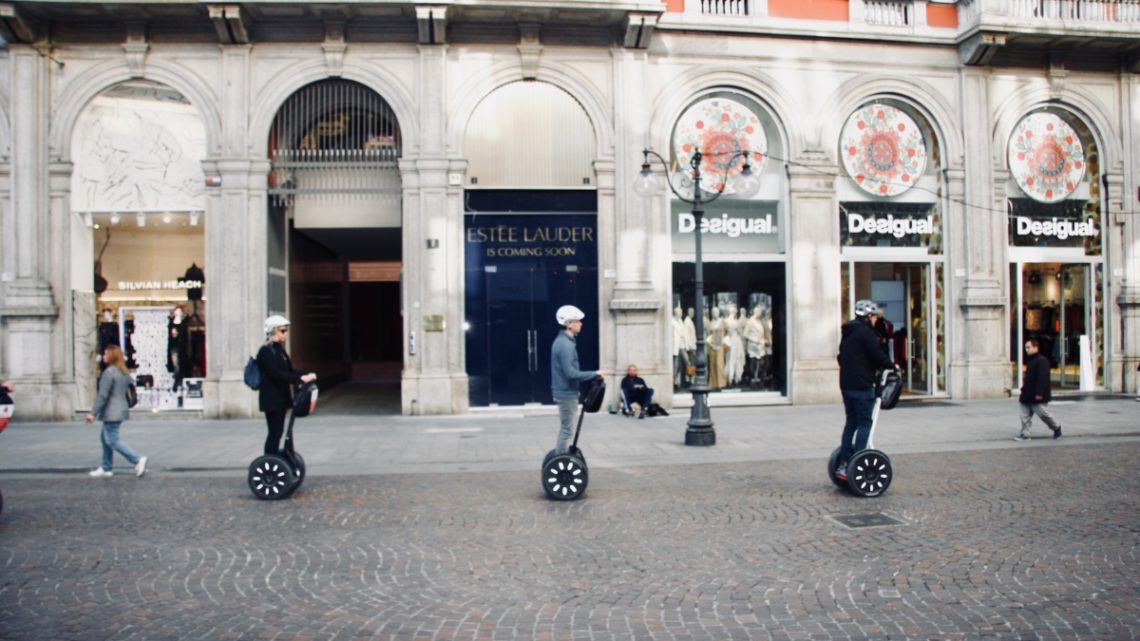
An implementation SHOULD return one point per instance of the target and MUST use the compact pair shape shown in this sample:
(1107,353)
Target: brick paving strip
(1031,542)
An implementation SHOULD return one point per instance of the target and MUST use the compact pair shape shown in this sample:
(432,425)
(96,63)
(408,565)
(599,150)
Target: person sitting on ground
(638,396)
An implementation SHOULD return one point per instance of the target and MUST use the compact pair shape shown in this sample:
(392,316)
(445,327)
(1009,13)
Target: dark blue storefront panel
(521,267)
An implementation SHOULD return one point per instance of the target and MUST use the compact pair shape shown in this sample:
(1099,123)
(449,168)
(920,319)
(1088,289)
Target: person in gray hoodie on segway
(860,356)
(565,376)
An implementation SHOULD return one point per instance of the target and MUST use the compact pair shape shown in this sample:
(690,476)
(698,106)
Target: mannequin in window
(108,333)
(715,344)
(734,346)
(691,343)
(177,346)
(680,355)
(756,340)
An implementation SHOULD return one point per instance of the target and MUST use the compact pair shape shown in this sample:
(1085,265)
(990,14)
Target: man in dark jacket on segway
(860,356)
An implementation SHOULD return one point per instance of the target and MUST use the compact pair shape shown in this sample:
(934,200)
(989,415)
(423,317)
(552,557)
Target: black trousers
(275,422)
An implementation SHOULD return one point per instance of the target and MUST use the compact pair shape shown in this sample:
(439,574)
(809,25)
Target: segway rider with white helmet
(860,357)
(275,396)
(565,376)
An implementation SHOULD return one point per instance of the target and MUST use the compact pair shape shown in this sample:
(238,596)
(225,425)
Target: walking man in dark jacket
(1035,392)
(860,357)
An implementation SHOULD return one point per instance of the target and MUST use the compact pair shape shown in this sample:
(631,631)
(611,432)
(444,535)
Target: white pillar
(814,314)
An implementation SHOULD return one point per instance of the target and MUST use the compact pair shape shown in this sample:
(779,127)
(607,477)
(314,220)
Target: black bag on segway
(591,395)
(305,400)
(890,389)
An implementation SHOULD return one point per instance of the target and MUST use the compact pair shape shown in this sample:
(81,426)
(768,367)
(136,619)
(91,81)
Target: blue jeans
(111,444)
(859,404)
(567,408)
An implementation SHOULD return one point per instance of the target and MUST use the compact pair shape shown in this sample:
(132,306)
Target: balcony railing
(724,8)
(889,13)
(1077,10)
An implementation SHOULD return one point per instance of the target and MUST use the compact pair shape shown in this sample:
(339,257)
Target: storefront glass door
(520,269)
(1051,303)
(905,292)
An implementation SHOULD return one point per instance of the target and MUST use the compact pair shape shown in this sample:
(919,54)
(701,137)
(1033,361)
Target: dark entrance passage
(528,253)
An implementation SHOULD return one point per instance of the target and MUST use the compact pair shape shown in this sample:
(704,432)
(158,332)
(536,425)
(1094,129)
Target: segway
(565,476)
(7,407)
(869,472)
(276,476)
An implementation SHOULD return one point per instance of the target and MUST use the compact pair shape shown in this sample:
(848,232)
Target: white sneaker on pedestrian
(140,467)
(1021,437)
(101,473)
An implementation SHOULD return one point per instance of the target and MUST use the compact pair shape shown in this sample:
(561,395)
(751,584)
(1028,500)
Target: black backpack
(252,374)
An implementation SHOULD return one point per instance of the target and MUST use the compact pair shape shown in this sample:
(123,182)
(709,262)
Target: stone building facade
(970,164)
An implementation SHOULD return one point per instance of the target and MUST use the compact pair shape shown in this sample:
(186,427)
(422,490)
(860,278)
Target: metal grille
(334,138)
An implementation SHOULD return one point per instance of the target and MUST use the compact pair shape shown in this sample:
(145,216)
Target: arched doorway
(530,232)
(334,254)
(138,192)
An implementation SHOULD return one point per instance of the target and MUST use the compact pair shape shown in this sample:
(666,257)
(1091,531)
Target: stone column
(28,306)
(980,365)
(634,278)
(236,231)
(434,381)
(1129,258)
(814,314)
(1115,229)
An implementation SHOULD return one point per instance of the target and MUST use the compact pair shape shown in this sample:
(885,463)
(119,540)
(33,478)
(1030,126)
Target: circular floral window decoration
(883,150)
(720,128)
(1046,157)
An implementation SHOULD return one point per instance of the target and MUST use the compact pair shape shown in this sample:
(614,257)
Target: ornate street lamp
(747,184)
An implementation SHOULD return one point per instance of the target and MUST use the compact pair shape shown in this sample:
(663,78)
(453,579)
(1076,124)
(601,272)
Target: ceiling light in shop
(194,218)
(115,218)
(167,217)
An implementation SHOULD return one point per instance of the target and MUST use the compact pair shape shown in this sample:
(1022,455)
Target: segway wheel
(270,478)
(298,470)
(832,464)
(869,473)
(565,477)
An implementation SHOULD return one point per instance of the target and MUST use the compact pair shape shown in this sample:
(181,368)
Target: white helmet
(273,322)
(865,307)
(568,314)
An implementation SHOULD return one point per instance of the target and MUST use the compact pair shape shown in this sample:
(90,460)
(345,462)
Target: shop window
(742,248)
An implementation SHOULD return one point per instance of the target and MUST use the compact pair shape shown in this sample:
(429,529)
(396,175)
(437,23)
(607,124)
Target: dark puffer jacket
(860,355)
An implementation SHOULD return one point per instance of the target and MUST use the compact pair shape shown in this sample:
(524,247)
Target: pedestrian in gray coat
(112,408)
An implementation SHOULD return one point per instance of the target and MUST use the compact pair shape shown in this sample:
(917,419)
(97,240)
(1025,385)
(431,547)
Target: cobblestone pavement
(1036,543)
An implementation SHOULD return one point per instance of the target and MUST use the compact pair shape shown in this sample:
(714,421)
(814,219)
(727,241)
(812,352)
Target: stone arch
(282,86)
(578,87)
(77,96)
(1072,99)
(848,96)
(688,86)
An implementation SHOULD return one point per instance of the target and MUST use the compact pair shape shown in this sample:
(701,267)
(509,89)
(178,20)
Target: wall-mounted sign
(865,224)
(731,227)
(889,225)
(720,128)
(883,150)
(134,285)
(1046,157)
(1055,227)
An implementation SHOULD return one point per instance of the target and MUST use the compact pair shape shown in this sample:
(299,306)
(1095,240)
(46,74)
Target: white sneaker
(100,473)
(140,467)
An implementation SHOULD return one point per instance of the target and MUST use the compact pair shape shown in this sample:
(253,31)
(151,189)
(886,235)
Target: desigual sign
(730,226)
(889,225)
(1055,227)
